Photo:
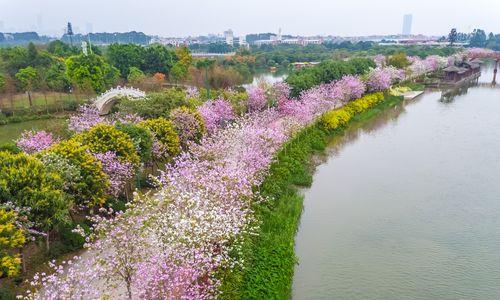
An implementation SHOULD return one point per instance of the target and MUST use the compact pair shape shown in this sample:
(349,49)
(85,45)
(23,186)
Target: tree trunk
(47,241)
(129,290)
(29,98)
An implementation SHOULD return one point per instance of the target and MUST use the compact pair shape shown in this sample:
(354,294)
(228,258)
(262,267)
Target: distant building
(243,42)
(229,36)
(407,23)
(1,26)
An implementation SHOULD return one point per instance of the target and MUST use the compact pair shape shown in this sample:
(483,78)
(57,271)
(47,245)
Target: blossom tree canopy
(216,114)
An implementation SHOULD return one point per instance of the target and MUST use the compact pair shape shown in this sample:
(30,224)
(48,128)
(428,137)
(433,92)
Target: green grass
(269,257)
(39,99)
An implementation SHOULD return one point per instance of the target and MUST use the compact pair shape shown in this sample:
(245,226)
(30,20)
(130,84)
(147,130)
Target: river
(407,205)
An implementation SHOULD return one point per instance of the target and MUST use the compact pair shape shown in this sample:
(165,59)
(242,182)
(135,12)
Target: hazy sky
(304,17)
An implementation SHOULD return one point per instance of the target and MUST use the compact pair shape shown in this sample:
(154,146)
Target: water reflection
(267,77)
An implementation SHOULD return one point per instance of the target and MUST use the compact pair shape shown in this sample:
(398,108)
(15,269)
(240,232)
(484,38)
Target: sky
(296,17)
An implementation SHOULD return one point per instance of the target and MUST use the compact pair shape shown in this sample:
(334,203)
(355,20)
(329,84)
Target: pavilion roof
(452,69)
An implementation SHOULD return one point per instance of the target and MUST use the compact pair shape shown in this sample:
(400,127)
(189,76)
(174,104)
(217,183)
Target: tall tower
(69,32)
(407,23)
(279,35)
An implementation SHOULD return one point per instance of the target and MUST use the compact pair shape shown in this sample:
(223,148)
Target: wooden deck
(412,95)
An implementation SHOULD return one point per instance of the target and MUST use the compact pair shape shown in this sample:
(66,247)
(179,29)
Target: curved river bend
(407,205)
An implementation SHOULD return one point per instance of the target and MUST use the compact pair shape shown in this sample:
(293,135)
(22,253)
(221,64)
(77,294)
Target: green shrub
(155,105)
(10,147)
(141,137)
(163,131)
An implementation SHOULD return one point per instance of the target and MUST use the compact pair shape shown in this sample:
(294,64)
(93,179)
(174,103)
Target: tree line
(61,67)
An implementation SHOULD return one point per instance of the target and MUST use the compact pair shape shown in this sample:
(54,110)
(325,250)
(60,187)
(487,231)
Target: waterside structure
(462,72)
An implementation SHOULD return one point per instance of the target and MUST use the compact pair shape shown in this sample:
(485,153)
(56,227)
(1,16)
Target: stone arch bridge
(106,100)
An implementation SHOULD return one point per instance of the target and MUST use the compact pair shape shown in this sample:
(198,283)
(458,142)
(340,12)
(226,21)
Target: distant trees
(326,72)
(61,49)
(398,60)
(126,56)
(158,58)
(478,38)
(152,59)
(133,37)
(452,36)
(180,68)
(91,72)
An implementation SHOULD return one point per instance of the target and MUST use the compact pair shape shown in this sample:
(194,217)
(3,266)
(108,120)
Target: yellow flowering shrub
(90,187)
(340,117)
(11,238)
(103,138)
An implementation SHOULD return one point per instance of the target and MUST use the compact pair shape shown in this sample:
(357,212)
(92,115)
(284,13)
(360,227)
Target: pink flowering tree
(216,114)
(125,118)
(188,124)
(119,172)
(86,117)
(379,60)
(349,88)
(380,79)
(257,99)
(35,141)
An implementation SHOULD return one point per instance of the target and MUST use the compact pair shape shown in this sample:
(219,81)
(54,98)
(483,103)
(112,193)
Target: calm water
(267,77)
(407,205)
(13,131)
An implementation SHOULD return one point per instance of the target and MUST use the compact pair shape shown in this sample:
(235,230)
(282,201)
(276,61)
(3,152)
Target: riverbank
(269,256)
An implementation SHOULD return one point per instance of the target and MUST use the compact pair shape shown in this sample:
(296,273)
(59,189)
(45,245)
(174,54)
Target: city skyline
(320,17)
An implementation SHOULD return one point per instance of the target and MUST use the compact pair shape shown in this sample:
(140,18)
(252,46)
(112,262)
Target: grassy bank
(269,258)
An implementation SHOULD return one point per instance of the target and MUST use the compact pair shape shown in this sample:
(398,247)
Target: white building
(229,36)
(243,41)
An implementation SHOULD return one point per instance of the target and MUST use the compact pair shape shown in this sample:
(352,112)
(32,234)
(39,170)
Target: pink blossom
(257,99)
(35,141)
(86,117)
(216,114)
(119,172)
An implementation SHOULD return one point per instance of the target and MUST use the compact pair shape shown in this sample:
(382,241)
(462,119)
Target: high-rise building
(1,26)
(407,20)
(229,37)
